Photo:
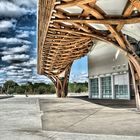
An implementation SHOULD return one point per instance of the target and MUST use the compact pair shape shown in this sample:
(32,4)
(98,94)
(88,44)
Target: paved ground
(83,116)
(20,119)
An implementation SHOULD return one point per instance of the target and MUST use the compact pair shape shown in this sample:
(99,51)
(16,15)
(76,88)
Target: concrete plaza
(66,119)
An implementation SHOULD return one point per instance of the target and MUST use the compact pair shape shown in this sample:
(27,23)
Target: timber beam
(100,21)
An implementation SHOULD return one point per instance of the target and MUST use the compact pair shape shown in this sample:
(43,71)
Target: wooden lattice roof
(67,29)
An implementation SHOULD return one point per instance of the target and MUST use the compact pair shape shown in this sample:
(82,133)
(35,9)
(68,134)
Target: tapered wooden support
(135,84)
(58,89)
(62,87)
(61,83)
(134,63)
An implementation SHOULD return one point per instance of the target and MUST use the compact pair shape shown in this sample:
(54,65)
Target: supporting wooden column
(58,88)
(61,88)
(62,83)
(135,84)
(134,63)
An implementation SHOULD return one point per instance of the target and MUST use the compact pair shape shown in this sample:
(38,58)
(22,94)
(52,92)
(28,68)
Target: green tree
(1,90)
(11,91)
(78,87)
(52,89)
(20,90)
(41,90)
(30,87)
(9,85)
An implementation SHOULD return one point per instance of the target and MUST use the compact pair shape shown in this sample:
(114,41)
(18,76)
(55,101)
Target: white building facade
(108,73)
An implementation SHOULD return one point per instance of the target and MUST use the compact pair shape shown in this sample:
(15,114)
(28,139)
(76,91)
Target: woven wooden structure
(67,30)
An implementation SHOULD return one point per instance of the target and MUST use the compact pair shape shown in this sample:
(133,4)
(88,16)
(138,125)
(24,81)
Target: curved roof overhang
(67,29)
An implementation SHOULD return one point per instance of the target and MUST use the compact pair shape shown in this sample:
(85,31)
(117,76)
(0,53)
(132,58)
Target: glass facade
(121,91)
(106,87)
(121,86)
(116,87)
(94,88)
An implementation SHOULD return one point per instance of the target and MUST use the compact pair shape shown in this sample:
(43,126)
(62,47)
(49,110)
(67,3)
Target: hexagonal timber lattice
(68,28)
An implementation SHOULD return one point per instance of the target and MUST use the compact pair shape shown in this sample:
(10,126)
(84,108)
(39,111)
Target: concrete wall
(101,60)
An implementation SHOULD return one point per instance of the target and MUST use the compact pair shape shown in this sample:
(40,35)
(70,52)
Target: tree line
(11,87)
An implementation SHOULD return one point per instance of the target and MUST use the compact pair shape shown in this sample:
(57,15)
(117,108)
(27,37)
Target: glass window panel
(121,86)
(106,87)
(94,88)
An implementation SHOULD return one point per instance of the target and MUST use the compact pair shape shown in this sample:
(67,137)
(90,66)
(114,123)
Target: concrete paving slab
(20,119)
(76,115)
(78,136)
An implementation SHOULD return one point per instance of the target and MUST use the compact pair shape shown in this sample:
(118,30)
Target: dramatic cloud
(21,75)
(39,79)
(15,50)
(11,41)
(9,73)
(81,77)
(15,71)
(15,58)
(26,3)
(2,71)
(24,34)
(21,49)
(9,9)
(27,28)
(12,67)
(5,25)
(25,70)
(29,64)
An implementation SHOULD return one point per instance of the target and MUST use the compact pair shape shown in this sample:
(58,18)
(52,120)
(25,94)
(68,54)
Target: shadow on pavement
(6,96)
(117,103)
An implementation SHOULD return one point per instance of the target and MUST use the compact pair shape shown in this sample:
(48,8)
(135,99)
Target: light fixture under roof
(112,7)
(98,26)
(73,10)
(66,23)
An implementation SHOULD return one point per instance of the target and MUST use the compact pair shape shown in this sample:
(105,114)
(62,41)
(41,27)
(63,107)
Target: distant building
(108,71)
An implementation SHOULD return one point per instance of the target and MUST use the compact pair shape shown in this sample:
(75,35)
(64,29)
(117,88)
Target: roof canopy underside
(67,29)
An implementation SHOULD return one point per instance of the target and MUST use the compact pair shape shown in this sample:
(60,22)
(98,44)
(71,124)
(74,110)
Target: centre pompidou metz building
(69,29)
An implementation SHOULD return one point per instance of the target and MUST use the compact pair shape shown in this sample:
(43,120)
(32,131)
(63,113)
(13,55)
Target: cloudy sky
(18,50)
